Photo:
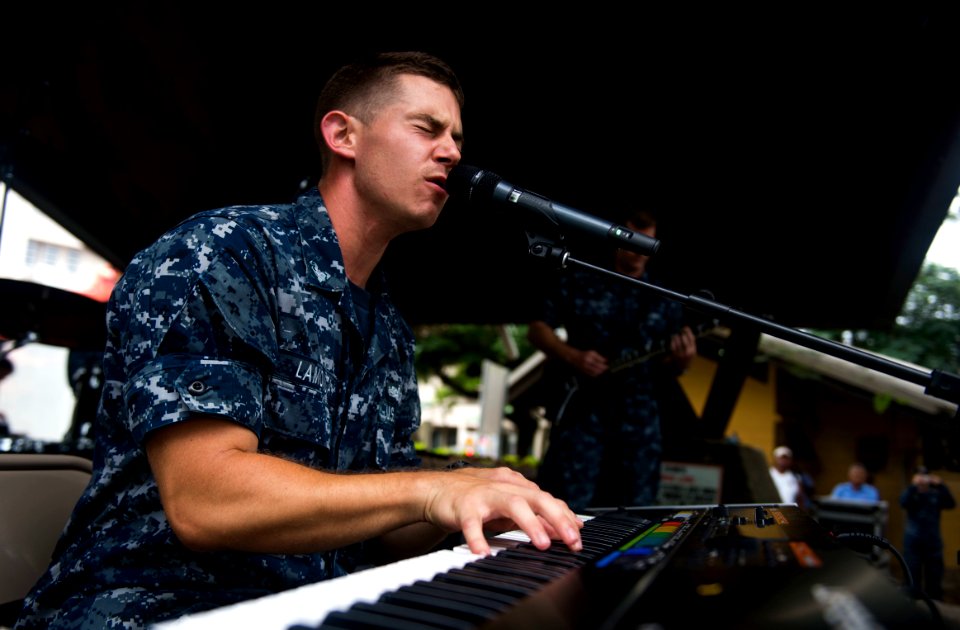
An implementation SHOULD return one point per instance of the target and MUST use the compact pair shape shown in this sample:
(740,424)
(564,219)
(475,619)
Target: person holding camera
(924,499)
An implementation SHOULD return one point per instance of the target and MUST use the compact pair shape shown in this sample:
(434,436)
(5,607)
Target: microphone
(477,185)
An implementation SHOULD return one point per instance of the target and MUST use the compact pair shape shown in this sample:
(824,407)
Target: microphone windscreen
(471,183)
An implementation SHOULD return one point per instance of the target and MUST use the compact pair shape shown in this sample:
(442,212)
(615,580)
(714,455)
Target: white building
(36,399)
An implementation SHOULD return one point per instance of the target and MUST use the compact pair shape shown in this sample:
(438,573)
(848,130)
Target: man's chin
(423,221)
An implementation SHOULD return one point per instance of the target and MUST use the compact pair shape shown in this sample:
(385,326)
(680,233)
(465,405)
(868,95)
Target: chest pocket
(299,418)
(376,420)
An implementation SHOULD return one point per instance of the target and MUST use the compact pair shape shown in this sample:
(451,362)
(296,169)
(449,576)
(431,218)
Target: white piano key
(310,604)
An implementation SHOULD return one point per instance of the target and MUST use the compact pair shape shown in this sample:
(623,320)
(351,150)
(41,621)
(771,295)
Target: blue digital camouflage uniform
(611,424)
(245,313)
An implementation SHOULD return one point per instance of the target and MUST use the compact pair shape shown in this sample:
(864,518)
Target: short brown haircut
(362,87)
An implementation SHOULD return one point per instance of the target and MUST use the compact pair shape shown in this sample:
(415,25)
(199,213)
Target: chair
(37,494)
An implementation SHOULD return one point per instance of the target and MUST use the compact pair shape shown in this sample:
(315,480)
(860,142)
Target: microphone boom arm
(937,383)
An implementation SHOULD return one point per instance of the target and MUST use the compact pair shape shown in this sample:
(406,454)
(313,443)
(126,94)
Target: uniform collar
(323,260)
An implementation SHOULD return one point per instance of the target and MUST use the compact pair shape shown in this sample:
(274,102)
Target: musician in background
(260,398)
(607,417)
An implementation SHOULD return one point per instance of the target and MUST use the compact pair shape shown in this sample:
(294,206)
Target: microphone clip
(546,249)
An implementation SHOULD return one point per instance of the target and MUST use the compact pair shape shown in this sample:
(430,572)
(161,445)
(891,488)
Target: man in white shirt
(786,480)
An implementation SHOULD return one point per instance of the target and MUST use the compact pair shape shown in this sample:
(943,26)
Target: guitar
(568,381)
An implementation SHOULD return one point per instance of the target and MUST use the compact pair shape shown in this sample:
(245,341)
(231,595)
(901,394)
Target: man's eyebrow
(435,123)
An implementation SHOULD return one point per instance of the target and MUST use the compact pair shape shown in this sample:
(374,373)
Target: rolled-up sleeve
(173,388)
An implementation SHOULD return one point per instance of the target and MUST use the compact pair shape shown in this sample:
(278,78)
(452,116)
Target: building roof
(801,160)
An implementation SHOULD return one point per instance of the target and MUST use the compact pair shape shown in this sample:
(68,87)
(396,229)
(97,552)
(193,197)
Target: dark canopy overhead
(801,163)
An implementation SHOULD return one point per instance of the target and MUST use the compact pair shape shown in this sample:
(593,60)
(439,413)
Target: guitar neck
(654,349)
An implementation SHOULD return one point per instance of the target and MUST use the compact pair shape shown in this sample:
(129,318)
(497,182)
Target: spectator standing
(793,485)
(856,488)
(923,500)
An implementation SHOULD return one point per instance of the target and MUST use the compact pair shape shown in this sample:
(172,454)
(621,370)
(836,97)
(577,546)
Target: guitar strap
(571,385)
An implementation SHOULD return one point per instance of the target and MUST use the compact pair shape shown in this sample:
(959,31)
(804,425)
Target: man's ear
(339,132)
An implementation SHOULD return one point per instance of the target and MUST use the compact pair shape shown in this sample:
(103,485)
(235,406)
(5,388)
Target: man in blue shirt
(257,372)
(856,487)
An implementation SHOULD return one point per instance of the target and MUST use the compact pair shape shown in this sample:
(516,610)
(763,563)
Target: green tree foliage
(455,353)
(927,330)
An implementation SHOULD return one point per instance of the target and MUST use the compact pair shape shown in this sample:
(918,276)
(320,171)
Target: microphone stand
(937,383)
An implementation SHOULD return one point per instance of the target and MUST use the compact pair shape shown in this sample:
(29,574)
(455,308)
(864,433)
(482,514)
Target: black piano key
(458,590)
(418,615)
(537,556)
(561,552)
(485,571)
(613,525)
(437,605)
(604,532)
(598,544)
(589,551)
(631,520)
(364,620)
(543,562)
(486,588)
(617,525)
(605,537)
(457,576)
(482,601)
(529,570)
